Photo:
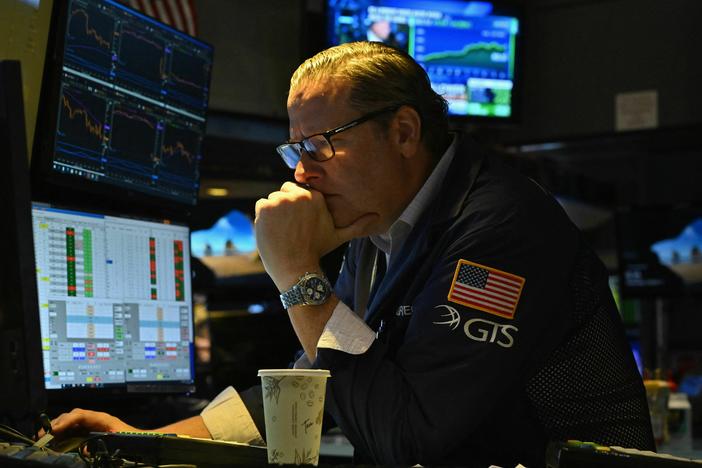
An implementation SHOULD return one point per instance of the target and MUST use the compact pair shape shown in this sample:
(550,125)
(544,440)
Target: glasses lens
(318,148)
(290,152)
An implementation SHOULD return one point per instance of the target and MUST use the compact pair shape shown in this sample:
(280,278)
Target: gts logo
(486,331)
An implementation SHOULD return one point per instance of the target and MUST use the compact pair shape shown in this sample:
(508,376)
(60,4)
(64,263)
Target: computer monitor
(123,105)
(469,49)
(660,250)
(115,302)
(22,394)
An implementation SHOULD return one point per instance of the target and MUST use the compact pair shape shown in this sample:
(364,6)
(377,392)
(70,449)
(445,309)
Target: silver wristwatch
(311,289)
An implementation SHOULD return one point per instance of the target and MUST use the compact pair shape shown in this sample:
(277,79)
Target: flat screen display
(468,49)
(115,302)
(660,250)
(127,98)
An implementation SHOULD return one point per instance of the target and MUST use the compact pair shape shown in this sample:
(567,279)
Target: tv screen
(228,248)
(469,49)
(123,104)
(115,301)
(660,250)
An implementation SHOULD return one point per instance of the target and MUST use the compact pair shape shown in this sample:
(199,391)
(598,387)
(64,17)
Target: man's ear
(407,131)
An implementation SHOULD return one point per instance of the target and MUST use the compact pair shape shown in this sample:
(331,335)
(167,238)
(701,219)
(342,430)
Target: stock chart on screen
(468,48)
(132,101)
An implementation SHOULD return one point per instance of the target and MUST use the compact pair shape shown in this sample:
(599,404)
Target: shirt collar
(390,241)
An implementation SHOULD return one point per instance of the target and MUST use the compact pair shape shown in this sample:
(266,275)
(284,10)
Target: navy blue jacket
(461,380)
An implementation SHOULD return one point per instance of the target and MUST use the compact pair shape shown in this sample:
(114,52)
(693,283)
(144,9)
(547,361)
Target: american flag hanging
(177,13)
(493,291)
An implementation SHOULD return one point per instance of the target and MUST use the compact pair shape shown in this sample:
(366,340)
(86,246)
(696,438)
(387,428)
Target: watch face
(315,290)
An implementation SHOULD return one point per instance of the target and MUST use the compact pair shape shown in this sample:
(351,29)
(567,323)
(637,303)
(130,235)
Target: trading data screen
(468,51)
(114,299)
(132,102)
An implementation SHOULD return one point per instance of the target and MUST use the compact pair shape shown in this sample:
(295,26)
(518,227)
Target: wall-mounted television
(469,49)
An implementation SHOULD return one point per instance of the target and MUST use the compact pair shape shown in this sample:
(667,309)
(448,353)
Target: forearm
(309,322)
(194,427)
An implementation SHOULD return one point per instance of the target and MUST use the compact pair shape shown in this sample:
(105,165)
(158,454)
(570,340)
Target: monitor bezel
(46,181)
(75,393)
(23,395)
(500,8)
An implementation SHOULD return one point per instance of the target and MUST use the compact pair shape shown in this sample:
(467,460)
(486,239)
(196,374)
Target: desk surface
(694,453)
(336,445)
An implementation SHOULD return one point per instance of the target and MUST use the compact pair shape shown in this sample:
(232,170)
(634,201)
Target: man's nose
(305,172)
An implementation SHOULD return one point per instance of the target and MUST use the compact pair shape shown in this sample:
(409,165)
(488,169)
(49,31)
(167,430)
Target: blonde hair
(378,76)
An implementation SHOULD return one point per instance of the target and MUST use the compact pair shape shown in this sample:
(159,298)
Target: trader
(492,330)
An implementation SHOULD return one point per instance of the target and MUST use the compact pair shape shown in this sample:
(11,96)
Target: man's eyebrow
(290,140)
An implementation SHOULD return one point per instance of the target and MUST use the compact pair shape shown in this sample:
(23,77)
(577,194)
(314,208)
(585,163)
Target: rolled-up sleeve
(346,331)
(227,418)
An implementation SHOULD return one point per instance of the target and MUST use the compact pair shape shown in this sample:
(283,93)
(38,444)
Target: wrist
(286,280)
(311,289)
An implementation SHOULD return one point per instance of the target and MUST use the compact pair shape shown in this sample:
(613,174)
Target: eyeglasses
(319,146)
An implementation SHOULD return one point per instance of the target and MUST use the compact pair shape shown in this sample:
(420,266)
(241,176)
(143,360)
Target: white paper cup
(293,407)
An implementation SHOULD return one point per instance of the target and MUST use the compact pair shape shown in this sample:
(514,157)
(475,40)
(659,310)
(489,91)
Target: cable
(8,432)
(100,457)
(12,429)
(82,450)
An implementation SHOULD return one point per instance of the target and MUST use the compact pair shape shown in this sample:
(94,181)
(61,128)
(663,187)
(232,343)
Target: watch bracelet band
(291,297)
(296,296)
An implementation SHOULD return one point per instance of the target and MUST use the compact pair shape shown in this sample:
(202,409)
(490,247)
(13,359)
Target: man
(493,330)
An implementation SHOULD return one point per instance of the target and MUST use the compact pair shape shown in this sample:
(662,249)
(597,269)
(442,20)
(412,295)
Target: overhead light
(217,191)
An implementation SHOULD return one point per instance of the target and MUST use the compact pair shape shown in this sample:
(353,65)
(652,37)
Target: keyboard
(577,454)
(17,454)
(162,449)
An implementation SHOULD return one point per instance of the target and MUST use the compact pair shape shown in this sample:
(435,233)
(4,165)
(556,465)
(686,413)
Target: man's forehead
(316,92)
(315,107)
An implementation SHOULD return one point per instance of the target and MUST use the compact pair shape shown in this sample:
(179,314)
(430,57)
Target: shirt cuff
(227,418)
(303,362)
(345,331)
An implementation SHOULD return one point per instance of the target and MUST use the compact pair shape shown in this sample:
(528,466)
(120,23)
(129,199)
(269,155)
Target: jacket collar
(455,189)
(459,181)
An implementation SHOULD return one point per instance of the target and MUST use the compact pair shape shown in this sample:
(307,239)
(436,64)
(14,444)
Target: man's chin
(341,222)
(346,220)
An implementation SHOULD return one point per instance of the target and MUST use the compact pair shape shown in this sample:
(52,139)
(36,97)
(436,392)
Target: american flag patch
(493,291)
